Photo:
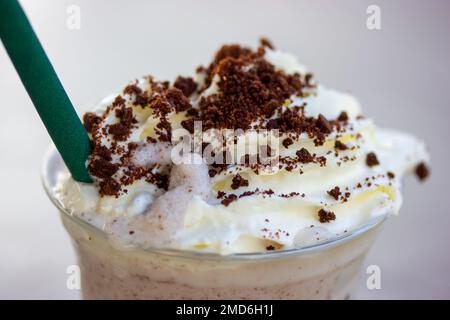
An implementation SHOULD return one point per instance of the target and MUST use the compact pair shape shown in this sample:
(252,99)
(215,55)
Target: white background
(401,74)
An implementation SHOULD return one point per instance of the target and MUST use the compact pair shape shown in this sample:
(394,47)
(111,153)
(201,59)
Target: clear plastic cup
(322,271)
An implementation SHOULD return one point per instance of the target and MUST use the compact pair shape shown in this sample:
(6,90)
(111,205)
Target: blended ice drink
(249,180)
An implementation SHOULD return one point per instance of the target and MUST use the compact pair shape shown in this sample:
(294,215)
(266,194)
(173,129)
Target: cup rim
(49,176)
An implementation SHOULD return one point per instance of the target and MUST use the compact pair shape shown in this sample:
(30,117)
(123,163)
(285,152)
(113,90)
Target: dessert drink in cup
(249,180)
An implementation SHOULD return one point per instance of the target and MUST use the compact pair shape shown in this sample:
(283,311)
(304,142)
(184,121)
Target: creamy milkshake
(248,180)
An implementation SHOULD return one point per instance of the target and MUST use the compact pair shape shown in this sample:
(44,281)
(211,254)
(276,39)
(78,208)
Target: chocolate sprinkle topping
(343,116)
(186,85)
(304,156)
(266,43)
(90,121)
(422,171)
(238,182)
(287,142)
(326,216)
(102,168)
(229,199)
(371,159)
(250,88)
(335,192)
(323,124)
(340,146)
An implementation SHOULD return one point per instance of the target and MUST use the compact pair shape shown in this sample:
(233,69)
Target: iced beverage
(248,180)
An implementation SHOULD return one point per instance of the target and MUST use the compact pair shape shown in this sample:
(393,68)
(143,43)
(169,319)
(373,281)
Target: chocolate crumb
(335,192)
(118,101)
(102,168)
(287,142)
(304,156)
(186,85)
(141,99)
(270,248)
(322,161)
(229,199)
(266,43)
(119,131)
(390,175)
(422,171)
(371,159)
(109,187)
(323,124)
(250,86)
(238,182)
(340,146)
(132,89)
(177,99)
(220,194)
(326,216)
(90,121)
(103,152)
(343,116)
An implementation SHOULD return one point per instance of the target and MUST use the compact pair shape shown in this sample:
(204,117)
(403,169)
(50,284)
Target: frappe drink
(248,180)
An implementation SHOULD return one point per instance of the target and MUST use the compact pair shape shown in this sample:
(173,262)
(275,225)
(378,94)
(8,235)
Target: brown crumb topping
(287,142)
(250,88)
(238,182)
(326,216)
(91,121)
(343,116)
(187,85)
(340,146)
(304,156)
(229,199)
(252,94)
(422,171)
(371,159)
(266,43)
(335,192)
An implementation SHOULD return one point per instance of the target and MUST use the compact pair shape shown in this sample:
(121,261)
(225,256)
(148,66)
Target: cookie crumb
(339,145)
(335,192)
(371,159)
(326,216)
(422,171)
(238,182)
(304,156)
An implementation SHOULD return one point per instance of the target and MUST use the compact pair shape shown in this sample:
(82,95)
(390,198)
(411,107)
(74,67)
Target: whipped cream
(322,186)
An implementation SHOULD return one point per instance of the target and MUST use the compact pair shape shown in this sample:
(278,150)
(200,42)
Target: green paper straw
(45,89)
